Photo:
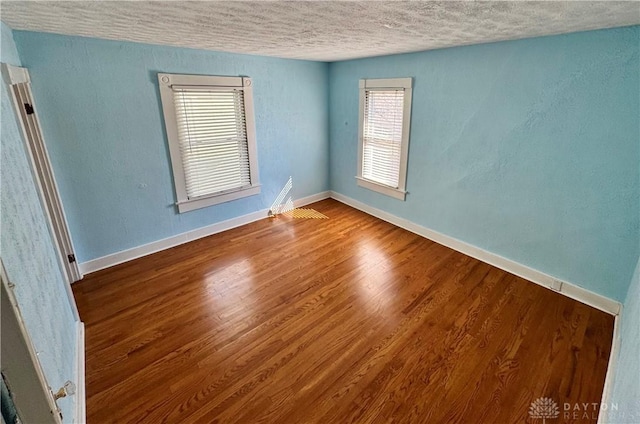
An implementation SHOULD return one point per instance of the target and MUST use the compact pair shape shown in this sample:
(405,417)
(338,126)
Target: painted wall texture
(626,389)
(101,115)
(28,253)
(528,149)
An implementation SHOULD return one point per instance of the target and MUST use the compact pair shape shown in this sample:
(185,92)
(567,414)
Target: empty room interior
(320,212)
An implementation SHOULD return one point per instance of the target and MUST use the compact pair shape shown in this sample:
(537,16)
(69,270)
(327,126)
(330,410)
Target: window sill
(203,202)
(396,193)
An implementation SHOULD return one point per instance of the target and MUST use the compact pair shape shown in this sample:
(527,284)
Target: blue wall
(528,149)
(626,389)
(101,115)
(28,253)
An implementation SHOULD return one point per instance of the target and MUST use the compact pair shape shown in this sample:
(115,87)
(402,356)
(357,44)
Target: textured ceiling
(316,30)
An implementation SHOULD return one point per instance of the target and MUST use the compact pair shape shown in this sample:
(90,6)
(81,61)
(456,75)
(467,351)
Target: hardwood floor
(344,320)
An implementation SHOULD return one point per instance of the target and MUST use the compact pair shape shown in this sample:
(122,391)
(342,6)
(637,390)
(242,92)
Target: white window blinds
(212,138)
(382,136)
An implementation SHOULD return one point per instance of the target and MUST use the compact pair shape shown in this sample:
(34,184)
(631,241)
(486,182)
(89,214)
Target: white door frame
(31,392)
(20,86)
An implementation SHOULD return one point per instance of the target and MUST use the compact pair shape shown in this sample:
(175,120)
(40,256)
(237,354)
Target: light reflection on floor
(375,276)
(230,289)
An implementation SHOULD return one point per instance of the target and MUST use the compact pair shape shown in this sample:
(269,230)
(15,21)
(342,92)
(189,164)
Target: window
(385,112)
(211,134)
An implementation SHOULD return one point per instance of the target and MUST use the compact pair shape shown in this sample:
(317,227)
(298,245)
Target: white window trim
(166,81)
(389,83)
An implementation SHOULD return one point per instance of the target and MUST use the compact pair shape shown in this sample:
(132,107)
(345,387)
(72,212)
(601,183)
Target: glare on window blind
(213,139)
(382,136)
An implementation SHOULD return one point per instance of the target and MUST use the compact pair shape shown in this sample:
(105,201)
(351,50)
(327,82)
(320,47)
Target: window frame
(405,84)
(166,81)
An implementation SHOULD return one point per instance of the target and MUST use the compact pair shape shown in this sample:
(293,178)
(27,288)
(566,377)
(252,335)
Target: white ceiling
(316,30)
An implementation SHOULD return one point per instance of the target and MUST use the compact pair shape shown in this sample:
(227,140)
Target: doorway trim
(30,376)
(19,83)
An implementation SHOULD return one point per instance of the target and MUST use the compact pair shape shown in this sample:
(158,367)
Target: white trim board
(81,405)
(607,390)
(156,246)
(570,290)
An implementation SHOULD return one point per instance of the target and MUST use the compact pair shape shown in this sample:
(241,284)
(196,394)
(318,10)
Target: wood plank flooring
(345,320)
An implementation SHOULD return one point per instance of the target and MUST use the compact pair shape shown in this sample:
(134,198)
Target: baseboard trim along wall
(607,391)
(81,400)
(156,246)
(570,290)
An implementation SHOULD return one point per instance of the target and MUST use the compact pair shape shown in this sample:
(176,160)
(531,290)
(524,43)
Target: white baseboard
(156,246)
(81,404)
(570,290)
(607,391)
